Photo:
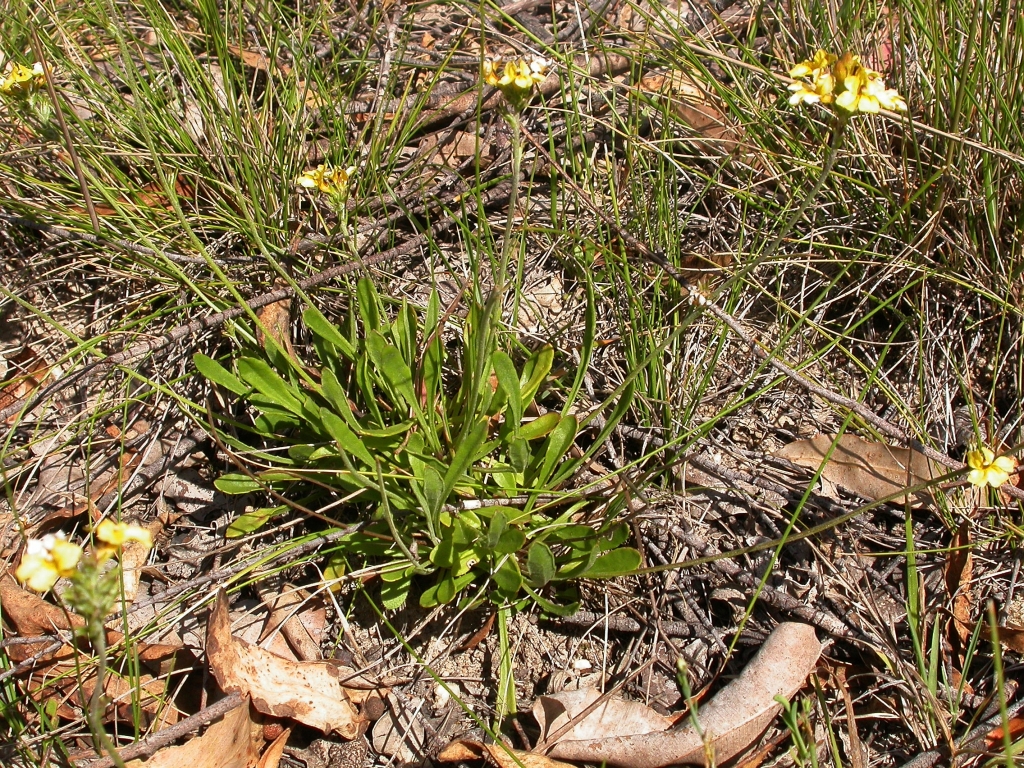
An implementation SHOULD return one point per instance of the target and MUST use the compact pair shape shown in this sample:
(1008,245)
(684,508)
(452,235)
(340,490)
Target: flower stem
(826,169)
(98,638)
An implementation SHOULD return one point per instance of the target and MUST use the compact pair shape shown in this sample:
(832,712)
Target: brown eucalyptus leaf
(231,742)
(311,693)
(729,723)
(870,469)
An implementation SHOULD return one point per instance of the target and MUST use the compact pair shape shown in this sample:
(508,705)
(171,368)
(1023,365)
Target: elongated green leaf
(508,380)
(433,491)
(464,456)
(540,564)
(557,446)
(508,578)
(250,522)
(540,426)
(235,484)
(498,525)
(394,589)
(553,608)
(615,562)
(218,374)
(392,367)
(366,295)
(346,439)
(268,383)
(535,372)
(510,542)
(326,330)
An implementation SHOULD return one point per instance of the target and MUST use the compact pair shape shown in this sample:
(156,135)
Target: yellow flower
(114,535)
(986,469)
(844,81)
(328,179)
(20,80)
(515,78)
(822,61)
(46,560)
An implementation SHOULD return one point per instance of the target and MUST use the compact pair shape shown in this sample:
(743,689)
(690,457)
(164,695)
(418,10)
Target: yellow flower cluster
(54,557)
(46,560)
(844,82)
(328,179)
(988,469)
(520,75)
(19,80)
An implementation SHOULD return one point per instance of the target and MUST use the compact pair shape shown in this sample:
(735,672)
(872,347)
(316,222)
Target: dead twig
(162,738)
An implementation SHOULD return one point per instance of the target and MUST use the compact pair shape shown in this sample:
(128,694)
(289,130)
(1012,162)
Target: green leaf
(394,592)
(540,426)
(507,577)
(464,456)
(540,564)
(557,446)
(497,526)
(268,383)
(433,491)
(519,454)
(366,294)
(250,522)
(511,541)
(389,363)
(326,330)
(235,484)
(508,380)
(346,439)
(336,395)
(615,562)
(552,608)
(218,374)
(535,372)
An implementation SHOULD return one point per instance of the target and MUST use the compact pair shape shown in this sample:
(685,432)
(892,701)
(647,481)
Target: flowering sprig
(330,180)
(515,79)
(19,80)
(47,559)
(844,82)
(53,557)
(989,469)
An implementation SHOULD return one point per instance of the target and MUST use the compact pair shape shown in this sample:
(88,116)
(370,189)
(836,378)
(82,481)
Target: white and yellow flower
(47,559)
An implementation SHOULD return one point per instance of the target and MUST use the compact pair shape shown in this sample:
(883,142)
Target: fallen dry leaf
(870,469)
(959,573)
(275,322)
(311,693)
(271,758)
(398,732)
(730,722)
(32,616)
(299,617)
(231,742)
(618,715)
(505,757)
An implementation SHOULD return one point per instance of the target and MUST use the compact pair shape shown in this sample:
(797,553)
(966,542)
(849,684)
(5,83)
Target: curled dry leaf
(321,694)
(231,742)
(730,722)
(870,469)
